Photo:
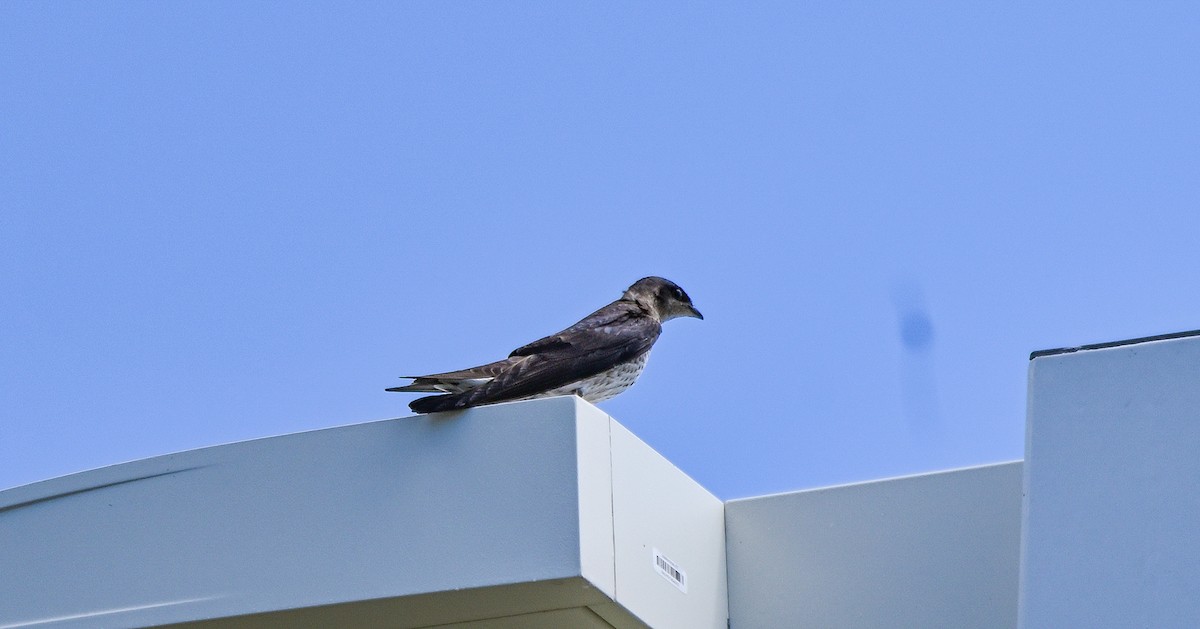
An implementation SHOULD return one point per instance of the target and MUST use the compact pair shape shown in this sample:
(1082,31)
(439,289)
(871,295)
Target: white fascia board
(491,514)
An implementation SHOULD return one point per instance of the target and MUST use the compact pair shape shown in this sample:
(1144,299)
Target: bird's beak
(694,313)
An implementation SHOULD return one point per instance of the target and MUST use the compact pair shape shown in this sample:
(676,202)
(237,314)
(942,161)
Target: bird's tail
(437,403)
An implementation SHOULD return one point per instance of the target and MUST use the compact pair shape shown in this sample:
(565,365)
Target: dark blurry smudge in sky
(918,379)
(916,330)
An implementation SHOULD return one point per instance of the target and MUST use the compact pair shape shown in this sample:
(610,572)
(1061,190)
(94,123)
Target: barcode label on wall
(670,571)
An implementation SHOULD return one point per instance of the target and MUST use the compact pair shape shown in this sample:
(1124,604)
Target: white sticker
(670,571)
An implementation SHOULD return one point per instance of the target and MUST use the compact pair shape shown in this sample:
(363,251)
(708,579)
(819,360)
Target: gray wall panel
(935,550)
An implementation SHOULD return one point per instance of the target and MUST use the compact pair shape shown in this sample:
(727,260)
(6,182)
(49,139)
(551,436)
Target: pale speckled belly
(605,385)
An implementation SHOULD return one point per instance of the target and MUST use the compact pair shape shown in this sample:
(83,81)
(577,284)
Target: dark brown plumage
(597,358)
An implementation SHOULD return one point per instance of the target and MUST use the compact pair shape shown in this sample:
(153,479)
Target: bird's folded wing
(483,371)
(571,355)
(617,319)
(454,381)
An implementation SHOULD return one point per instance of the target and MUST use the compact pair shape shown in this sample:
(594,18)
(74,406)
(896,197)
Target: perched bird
(596,359)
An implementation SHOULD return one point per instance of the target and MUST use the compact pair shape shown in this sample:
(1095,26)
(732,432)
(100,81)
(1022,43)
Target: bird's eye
(679,294)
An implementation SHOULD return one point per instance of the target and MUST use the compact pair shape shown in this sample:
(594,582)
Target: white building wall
(1112,507)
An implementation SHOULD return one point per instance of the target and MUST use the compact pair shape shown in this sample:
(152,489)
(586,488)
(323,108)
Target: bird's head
(662,298)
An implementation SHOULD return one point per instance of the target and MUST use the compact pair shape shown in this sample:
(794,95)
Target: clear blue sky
(232,220)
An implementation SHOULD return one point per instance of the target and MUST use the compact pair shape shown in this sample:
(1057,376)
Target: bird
(596,358)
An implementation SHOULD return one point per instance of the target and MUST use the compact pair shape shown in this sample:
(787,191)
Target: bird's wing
(615,312)
(573,354)
(483,371)
(618,313)
(454,381)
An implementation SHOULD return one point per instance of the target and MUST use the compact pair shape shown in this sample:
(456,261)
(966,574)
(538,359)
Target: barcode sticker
(670,571)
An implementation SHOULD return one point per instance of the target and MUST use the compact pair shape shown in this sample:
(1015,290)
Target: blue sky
(232,220)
